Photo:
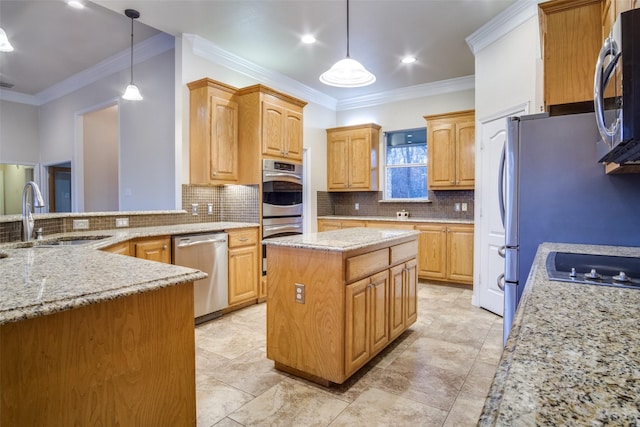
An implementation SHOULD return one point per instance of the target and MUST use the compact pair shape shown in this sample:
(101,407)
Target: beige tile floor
(436,374)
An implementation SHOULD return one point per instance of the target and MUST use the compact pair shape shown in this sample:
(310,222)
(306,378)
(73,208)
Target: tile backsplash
(441,204)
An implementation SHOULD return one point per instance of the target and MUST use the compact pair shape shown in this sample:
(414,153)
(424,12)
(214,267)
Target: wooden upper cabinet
(451,147)
(271,124)
(213,127)
(352,158)
(571,34)
(611,9)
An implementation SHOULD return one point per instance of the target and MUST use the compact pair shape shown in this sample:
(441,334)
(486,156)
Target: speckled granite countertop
(341,240)
(37,281)
(573,356)
(393,218)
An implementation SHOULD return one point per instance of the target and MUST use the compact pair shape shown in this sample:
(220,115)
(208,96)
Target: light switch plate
(194,209)
(209,208)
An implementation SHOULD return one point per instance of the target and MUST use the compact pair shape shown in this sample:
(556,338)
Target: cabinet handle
(243,239)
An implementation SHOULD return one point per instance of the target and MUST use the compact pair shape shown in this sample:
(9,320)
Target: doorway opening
(60,187)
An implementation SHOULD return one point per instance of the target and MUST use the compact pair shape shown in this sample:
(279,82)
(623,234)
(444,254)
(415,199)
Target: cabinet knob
(164,247)
(444,229)
(214,173)
(453,181)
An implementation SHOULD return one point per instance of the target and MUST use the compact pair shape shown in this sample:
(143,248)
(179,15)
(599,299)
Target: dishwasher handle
(200,242)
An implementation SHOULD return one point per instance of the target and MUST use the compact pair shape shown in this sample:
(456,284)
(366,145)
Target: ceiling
(54,41)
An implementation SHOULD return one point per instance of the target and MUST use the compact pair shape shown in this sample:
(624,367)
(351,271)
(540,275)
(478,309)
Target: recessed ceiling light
(308,39)
(76,4)
(408,59)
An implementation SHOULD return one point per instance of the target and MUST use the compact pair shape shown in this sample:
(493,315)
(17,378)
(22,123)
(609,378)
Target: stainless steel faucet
(27,218)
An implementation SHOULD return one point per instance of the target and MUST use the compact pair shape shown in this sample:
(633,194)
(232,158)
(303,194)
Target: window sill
(404,201)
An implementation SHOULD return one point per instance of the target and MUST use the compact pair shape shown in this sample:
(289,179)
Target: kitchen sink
(68,241)
(607,270)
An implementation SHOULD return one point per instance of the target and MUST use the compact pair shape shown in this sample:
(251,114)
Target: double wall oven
(281,201)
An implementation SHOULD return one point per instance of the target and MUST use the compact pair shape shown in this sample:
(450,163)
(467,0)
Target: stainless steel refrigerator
(553,190)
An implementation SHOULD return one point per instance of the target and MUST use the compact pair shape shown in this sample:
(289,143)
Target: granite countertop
(341,240)
(573,355)
(393,218)
(42,280)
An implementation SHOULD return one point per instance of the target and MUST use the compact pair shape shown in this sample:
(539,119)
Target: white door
(493,134)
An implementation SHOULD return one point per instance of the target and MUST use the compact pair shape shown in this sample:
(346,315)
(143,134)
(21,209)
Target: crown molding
(503,23)
(142,51)
(411,92)
(211,52)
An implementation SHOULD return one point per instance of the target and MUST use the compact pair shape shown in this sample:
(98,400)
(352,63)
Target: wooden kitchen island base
(127,361)
(337,298)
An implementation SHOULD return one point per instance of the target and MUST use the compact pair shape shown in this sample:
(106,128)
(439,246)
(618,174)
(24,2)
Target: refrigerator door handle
(501,183)
(501,282)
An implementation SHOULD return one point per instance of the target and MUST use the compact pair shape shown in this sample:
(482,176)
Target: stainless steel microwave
(617,91)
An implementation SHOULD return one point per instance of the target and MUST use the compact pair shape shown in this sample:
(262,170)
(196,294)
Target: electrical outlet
(299,297)
(122,222)
(80,224)
(464,207)
(194,209)
(456,207)
(209,208)
(357,206)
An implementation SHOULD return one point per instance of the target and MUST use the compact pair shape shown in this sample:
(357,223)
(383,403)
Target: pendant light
(347,72)
(5,46)
(131,92)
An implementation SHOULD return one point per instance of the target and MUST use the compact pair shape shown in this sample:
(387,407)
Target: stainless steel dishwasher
(207,253)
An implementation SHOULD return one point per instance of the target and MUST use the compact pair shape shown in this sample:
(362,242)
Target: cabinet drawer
(243,238)
(404,251)
(366,264)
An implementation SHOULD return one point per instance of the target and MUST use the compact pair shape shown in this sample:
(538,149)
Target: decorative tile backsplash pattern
(441,204)
(237,203)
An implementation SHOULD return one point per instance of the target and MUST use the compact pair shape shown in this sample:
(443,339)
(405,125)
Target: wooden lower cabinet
(446,252)
(243,265)
(367,319)
(154,249)
(403,299)
(330,224)
(122,248)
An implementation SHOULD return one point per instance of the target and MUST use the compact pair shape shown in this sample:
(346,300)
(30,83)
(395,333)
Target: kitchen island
(572,357)
(337,298)
(93,338)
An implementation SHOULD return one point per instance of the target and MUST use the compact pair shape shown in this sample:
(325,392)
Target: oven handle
(281,176)
(282,227)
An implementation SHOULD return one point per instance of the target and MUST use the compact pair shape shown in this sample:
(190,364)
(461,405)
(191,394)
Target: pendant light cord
(131,50)
(348,29)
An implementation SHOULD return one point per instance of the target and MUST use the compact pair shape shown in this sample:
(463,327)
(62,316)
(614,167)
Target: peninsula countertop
(341,240)
(41,280)
(573,356)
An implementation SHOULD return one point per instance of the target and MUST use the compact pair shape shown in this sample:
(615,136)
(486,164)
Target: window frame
(385,193)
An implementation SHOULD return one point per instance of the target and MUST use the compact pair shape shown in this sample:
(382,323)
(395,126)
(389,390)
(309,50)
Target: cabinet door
(396,301)
(379,308)
(460,254)
(154,250)
(224,139)
(411,292)
(352,224)
(119,248)
(327,225)
(337,161)
(359,166)
(432,251)
(441,147)
(243,274)
(293,140)
(465,154)
(357,333)
(273,129)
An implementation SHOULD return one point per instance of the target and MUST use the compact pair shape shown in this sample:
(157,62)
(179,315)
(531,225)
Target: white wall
(18,133)
(147,135)
(508,72)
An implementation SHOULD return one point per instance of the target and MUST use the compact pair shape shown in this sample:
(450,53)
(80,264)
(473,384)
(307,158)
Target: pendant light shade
(347,72)
(5,46)
(132,93)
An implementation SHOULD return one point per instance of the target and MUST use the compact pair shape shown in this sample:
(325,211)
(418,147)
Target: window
(406,164)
